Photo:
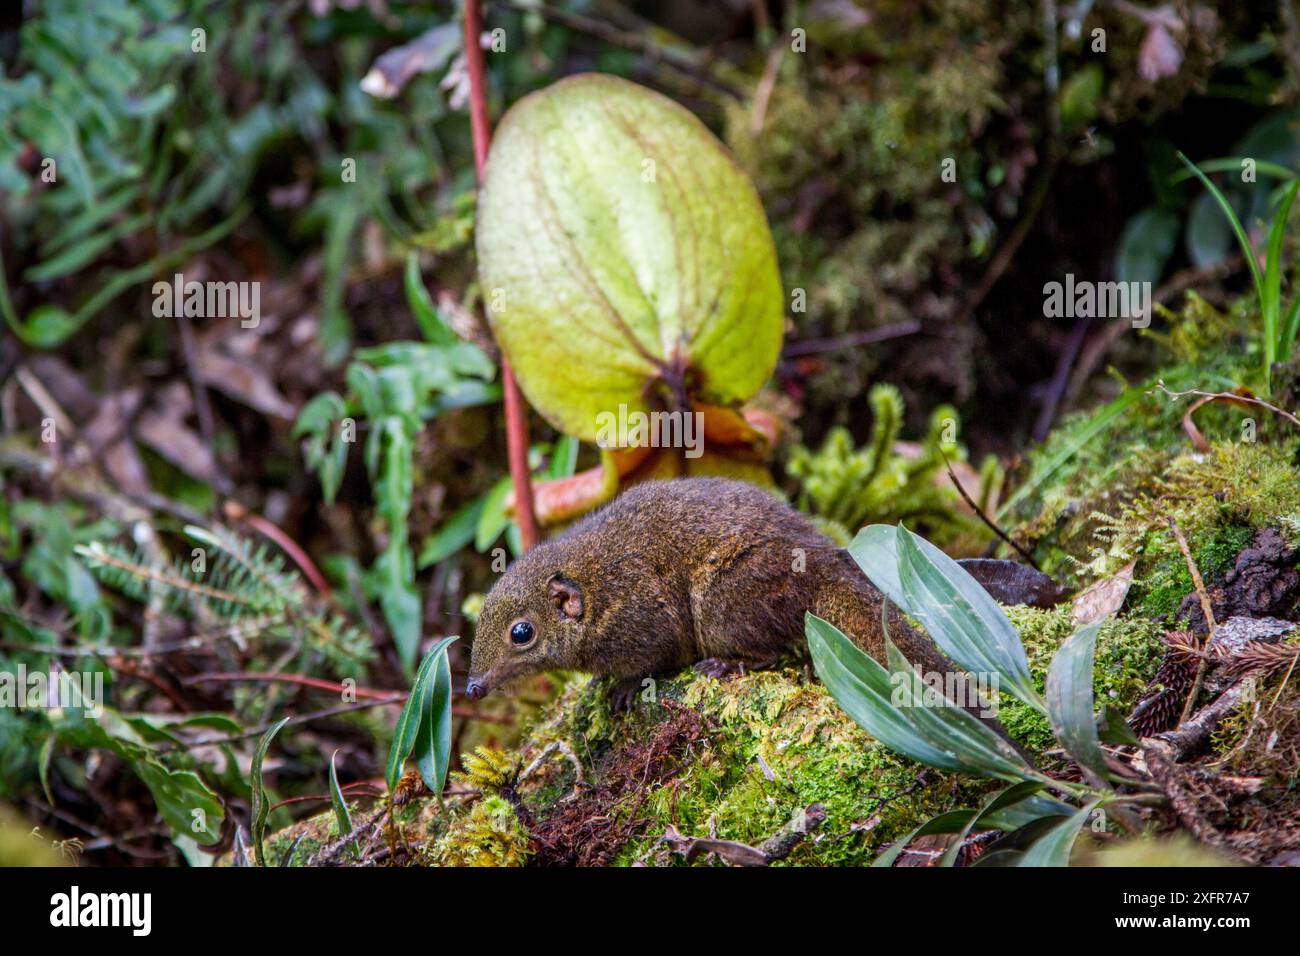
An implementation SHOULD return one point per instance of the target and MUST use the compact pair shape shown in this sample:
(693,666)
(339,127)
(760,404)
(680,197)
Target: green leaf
(1208,239)
(341,815)
(951,726)
(1247,249)
(454,535)
(408,724)
(1016,793)
(47,326)
(432,750)
(1114,729)
(184,801)
(1145,245)
(1289,329)
(1271,304)
(320,421)
(862,688)
(951,822)
(432,324)
(956,611)
(43,766)
(1081,96)
(564,457)
(400,603)
(618,241)
(945,737)
(1053,849)
(1101,420)
(492,520)
(1070,701)
(261,806)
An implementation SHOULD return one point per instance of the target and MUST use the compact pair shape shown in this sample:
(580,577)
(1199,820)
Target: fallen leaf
(242,379)
(428,52)
(1103,598)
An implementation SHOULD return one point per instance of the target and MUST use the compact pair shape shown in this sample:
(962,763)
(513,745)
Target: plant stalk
(516,412)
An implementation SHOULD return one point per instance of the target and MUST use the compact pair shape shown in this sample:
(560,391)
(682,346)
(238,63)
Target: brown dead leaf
(737,854)
(1103,598)
(242,378)
(162,427)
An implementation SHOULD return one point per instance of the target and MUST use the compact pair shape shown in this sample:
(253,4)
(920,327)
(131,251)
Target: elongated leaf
(454,535)
(1271,304)
(432,324)
(1070,702)
(408,724)
(1009,797)
(1233,165)
(432,750)
(1287,333)
(952,726)
(43,766)
(261,806)
(1026,811)
(1103,419)
(492,518)
(1247,249)
(1008,849)
(862,688)
(951,822)
(945,737)
(954,608)
(1053,848)
(564,457)
(341,814)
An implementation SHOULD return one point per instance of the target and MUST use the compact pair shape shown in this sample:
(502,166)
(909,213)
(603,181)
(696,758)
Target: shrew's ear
(566,596)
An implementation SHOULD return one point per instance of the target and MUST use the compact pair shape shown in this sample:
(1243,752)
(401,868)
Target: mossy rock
(734,759)
(756,749)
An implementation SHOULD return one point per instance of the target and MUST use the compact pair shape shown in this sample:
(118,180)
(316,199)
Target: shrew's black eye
(521,633)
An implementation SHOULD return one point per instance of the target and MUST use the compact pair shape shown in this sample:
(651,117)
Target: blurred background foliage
(322,149)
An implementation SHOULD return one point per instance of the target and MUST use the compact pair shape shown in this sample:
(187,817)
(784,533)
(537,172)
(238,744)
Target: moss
(1113,490)
(1129,650)
(490,834)
(776,743)
(846,158)
(315,831)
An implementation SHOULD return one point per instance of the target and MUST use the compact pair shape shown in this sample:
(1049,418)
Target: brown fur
(673,573)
